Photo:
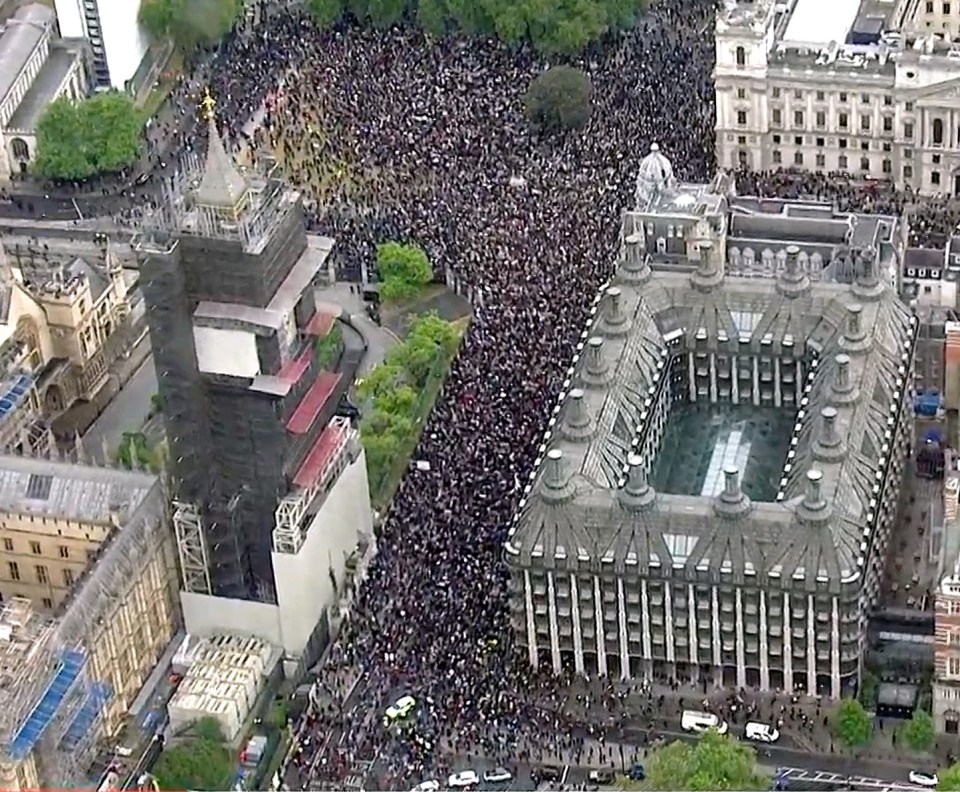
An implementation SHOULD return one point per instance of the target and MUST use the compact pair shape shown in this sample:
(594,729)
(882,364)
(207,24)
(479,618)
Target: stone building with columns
(36,67)
(719,480)
(871,90)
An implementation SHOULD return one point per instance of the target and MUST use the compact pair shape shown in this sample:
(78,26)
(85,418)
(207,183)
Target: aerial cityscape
(506,396)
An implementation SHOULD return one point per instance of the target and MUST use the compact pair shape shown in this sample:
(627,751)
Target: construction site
(68,677)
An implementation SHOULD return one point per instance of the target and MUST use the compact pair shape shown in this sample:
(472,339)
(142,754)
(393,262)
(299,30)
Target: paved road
(126,411)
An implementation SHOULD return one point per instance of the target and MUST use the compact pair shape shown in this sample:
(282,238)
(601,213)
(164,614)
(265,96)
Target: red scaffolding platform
(321,324)
(296,367)
(322,452)
(312,402)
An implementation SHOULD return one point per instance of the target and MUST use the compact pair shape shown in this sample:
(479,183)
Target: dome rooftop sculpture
(654,176)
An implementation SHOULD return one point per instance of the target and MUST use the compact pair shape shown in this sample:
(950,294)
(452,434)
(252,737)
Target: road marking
(563,775)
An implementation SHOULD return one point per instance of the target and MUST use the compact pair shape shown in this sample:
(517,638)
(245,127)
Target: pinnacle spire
(222,186)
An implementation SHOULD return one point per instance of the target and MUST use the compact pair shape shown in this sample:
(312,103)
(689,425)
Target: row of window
(798,140)
(922,273)
(777,92)
(842,162)
(843,123)
(944,8)
(41,572)
(36,549)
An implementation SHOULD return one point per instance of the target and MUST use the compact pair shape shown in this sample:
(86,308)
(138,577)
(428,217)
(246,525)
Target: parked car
(636,772)
(463,779)
(400,709)
(497,776)
(924,779)
(430,785)
(604,777)
(549,773)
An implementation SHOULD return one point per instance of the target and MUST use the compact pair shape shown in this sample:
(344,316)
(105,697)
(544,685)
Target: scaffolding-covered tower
(227,272)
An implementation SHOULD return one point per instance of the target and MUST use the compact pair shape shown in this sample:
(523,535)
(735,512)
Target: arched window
(741,56)
(661,245)
(735,259)
(937,132)
(816,262)
(20,149)
(781,259)
(803,260)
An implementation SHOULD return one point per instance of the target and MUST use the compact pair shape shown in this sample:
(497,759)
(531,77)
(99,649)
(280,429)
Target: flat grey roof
(73,492)
(302,274)
(217,313)
(43,91)
(579,512)
(20,37)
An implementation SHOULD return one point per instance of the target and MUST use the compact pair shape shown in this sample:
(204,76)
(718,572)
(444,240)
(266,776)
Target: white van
(701,721)
(761,732)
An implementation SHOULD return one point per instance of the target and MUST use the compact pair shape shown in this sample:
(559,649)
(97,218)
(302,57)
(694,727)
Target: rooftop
(74,492)
(809,26)
(590,497)
(44,89)
(20,37)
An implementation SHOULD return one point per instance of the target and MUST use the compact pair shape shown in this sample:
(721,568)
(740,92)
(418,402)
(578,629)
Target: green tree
(189,23)
(114,129)
(62,143)
(328,348)
(714,762)
(326,12)
(918,732)
(76,140)
(430,344)
(949,778)
(404,270)
(432,16)
(201,761)
(381,379)
(134,452)
(852,724)
(558,99)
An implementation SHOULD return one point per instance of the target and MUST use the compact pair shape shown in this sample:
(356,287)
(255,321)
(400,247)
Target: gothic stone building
(719,480)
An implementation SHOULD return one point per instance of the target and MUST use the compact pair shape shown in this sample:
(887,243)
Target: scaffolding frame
(289,532)
(92,602)
(192,547)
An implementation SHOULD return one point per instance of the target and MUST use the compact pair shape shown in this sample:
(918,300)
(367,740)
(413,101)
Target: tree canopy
(714,762)
(852,724)
(189,23)
(558,99)
(328,348)
(202,761)
(76,140)
(393,393)
(552,26)
(404,270)
(918,732)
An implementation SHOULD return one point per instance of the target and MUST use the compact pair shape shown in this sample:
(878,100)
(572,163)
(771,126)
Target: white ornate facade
(35,69)
(843,93)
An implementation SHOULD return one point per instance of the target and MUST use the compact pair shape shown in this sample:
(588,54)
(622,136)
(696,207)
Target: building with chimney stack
(719,480)
(270,484)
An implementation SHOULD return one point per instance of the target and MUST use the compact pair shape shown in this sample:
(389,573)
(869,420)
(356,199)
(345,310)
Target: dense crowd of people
(393,136)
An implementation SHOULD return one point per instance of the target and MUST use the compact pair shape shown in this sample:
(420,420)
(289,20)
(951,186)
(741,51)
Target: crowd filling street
(392,136)
(395,137)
